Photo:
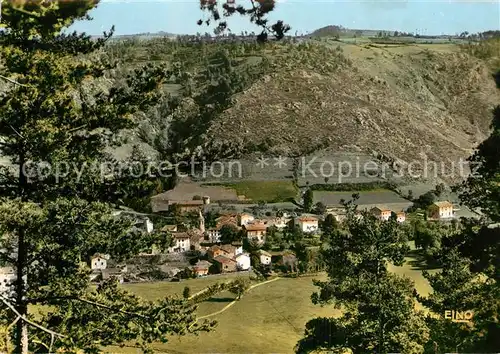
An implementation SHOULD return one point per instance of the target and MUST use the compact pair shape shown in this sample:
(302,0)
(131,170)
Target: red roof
(223,259)
(217,248)
(180,235)
(307,218)
(256,227)
(443,204)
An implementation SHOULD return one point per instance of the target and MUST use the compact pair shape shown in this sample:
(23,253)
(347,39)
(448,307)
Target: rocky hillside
(403,102)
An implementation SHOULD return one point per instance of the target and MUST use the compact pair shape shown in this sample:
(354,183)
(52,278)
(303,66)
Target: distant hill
(160,34)
(334,30)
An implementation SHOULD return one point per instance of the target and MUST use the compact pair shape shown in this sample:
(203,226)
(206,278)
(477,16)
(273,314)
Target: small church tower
(202,222)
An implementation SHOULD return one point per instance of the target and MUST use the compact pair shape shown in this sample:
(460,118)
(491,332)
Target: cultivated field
(333,167)
(268,191)
(384,197)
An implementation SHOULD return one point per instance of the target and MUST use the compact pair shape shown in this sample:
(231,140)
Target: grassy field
(268,191)
(366,198)
(267,319)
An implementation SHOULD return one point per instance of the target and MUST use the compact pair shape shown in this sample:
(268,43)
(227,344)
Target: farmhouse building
(401,217)
(181,242)
(381,212)
(307,223)
(212,235)
(243,261)
(441,210)
(280,222)
(227,219)
(188,191)
(216,251)
(256,232)
(99,261)
(225,264)
(265,257)
(245,219)
(230,250)
(201,268)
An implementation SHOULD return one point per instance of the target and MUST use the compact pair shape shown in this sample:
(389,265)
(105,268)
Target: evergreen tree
(468,280)
(329,225)
(308,200)
(57,117)
(482,189)
(377,307)
(257,12)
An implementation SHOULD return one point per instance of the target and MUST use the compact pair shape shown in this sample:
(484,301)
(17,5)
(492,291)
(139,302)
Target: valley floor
(268,318)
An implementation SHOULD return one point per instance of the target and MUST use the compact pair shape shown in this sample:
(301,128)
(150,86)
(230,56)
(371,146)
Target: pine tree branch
(32,14)
(12,81)
(15,131)
(13,309)
(96,304)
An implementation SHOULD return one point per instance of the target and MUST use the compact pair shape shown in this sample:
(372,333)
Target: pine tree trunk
(21,333)
(21,336)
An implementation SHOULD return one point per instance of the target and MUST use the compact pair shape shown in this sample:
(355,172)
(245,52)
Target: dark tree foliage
(469,277)
(378,312)
(482,190)
(308,200)
(56,201)
(229,233)
(257,11)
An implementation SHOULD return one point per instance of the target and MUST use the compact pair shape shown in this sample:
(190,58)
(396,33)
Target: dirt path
(234,301)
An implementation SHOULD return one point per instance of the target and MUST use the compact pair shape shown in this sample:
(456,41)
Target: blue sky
(180,16)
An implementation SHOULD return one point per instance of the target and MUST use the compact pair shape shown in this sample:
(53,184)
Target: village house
(401,217)
(164,202)
(228,219)
(243,261)
(99,261)
(225,264)
(339,213)
(245,219)
(230,250)
(265,257)
(141,221)
(256,231)
(181,242)
(201,268)
(238,247)
(307,223)
(195,238)
(7,276)
(188,206)
(212,235)
(441,210)
(279,223)
(216,251)
(381,213)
